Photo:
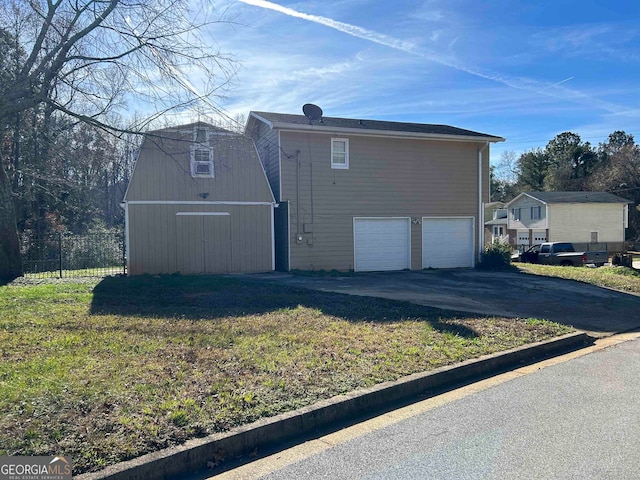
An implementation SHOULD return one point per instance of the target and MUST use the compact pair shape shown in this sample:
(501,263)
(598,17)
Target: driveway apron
(596,310)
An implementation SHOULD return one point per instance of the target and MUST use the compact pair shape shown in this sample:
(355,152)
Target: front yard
(106,370)
(617,278)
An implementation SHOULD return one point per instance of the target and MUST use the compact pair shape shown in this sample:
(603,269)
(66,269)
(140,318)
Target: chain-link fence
(64,255)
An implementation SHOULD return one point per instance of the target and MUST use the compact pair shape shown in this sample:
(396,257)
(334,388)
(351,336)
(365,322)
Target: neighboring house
(496,226)
(198,202)
(590,220)
(370,195)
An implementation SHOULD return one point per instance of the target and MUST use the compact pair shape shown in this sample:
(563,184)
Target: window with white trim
(201,155)
(340,153)
(536,213)
(516,213)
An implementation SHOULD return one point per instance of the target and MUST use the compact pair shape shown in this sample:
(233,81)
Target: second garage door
(381,244)
(447,242)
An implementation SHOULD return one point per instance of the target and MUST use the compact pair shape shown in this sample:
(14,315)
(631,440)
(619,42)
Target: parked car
(562,253)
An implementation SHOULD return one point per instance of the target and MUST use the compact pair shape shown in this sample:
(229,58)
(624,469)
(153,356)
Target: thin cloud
(388,41)
(520,83)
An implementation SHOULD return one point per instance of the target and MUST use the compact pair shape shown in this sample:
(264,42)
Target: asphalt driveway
(596,310)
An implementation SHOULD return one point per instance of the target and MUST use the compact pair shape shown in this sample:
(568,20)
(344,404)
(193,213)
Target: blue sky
(523,70)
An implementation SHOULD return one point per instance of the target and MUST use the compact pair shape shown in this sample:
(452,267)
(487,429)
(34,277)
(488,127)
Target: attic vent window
(201,161)
(201,135)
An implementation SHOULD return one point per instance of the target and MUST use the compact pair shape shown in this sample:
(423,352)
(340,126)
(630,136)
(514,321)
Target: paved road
(596,310)
(575,420)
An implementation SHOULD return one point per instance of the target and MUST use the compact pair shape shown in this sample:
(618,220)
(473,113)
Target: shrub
(497,256)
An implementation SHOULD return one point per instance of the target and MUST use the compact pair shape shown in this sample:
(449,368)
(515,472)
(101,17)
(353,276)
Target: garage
(381,244)
(447,242)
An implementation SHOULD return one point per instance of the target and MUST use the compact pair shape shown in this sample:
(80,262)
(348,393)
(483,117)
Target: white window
(340,153)
(536,212)
(201,161)
(515,213)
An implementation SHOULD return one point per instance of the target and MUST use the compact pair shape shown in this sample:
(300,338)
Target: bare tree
(86,59)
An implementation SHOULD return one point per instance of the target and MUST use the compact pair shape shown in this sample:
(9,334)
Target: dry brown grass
(106,372)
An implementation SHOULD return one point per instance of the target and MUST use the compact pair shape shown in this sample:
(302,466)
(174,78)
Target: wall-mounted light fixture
(203,194)
(415,221)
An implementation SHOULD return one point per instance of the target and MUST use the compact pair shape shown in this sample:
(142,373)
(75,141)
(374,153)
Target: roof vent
(312,112)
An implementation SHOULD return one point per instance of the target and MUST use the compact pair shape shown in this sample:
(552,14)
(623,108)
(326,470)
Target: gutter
(480,203)
(381,133)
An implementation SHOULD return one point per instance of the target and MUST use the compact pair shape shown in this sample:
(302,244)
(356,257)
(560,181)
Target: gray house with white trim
(590,220)
(367,195)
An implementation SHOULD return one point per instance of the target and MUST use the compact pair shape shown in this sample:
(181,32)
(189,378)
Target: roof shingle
(577,197)
(286,119)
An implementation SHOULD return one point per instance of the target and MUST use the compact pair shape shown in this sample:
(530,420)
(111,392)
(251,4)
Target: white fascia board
(381,133)
(518,197)
(263,120)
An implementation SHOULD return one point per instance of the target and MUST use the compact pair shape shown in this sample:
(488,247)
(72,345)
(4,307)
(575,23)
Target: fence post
(124,254)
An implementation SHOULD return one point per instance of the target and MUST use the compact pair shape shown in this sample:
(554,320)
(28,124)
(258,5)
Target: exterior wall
(178,223)
(575,222)
(387,177)
(163,171)
(526,222)
(163,242)
(268,146)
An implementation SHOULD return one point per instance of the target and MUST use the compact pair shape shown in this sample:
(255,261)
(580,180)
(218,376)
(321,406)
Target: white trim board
(184,202)
(203,214)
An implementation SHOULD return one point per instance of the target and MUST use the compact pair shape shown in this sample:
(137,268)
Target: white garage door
(381,244)
(447,242)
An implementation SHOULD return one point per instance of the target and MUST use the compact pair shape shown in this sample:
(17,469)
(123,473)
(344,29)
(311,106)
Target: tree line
(69,72)
(567,163)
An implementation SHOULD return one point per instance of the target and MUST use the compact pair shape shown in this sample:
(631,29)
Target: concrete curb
(193,455)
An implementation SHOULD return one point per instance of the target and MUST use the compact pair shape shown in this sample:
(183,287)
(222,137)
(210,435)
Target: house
(590,220)
(198,202)
(366,195)
(496,226)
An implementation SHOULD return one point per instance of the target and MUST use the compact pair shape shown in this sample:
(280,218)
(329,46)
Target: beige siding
(575,222)
(161,241)
(387,177)
(163,172)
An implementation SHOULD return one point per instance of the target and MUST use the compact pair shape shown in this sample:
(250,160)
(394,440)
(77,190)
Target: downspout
(480,203)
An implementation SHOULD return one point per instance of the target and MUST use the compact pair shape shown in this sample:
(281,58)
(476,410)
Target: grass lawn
(104,370)
(619,278)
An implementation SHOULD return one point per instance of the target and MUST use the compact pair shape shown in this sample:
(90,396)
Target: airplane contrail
(556,84)
(352,30)
(520,83)
(391,42)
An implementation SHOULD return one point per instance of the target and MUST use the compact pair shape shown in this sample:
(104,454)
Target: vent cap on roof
(312,112)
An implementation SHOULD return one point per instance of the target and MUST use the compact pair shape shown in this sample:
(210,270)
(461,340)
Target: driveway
(596,310)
